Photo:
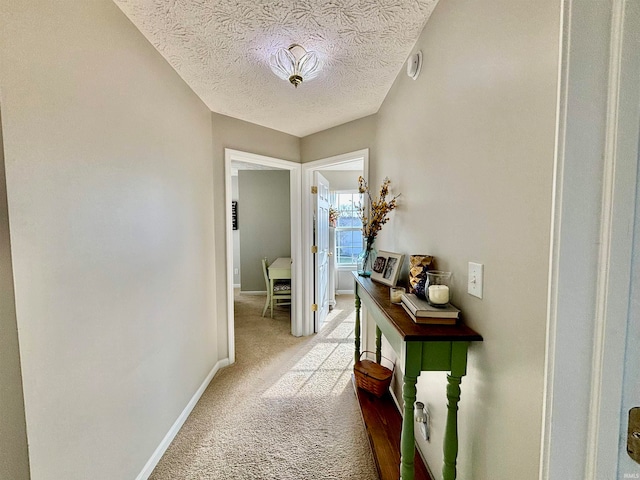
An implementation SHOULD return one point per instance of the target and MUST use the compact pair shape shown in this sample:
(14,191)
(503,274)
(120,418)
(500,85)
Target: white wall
(246,137)
(342,179)
(266,225)
(349,137)
(344,281)
(110,191)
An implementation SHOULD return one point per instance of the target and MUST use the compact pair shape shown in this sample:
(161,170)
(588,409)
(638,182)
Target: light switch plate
(475,279)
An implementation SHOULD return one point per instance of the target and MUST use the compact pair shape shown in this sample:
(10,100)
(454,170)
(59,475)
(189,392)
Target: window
(349,241)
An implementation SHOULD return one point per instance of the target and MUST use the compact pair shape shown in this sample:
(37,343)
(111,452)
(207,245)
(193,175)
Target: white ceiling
(221,48)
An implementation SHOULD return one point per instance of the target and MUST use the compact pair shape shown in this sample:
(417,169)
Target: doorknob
(633,435)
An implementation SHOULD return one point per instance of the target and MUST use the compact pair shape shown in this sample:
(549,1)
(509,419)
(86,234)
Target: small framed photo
(386,267)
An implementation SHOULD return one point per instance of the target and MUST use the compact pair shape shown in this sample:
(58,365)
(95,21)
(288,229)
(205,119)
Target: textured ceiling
(221,48)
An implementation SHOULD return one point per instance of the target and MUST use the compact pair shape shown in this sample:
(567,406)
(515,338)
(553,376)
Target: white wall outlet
(236,271)
(476,271)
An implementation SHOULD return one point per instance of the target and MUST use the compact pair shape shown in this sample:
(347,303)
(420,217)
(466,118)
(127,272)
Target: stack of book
(422,312)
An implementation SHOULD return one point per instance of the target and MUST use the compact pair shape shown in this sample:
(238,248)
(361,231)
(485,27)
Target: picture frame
(234,215)
(386,267)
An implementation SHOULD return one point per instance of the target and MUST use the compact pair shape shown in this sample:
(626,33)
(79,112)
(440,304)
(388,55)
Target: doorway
(237,159)
(333,168)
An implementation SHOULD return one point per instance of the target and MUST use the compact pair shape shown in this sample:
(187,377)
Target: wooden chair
(280,291)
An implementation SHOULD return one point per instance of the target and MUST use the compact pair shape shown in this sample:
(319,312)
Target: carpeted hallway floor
(285,410)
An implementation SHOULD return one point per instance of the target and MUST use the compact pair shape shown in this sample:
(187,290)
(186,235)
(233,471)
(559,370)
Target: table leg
(378,344)
(271,286)
(407,438)
(451,430)
(357,330)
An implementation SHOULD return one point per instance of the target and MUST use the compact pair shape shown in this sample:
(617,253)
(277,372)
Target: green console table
(420,348)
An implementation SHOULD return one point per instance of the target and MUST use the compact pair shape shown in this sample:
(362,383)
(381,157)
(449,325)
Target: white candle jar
(396,294)
(437,289)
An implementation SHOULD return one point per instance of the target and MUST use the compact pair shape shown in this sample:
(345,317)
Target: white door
(593,342)
(629,461)
(625,244)
(629,130)
(321,242)
(627,466)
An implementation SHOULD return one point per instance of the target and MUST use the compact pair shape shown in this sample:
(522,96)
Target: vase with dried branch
(373,213)
(334,214)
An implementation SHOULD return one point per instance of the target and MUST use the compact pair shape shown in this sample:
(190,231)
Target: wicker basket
(372,376)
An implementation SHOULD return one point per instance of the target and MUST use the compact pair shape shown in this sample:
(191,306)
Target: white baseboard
(263,292)
(175,428)
(344,292)
(395,400)
(236,285)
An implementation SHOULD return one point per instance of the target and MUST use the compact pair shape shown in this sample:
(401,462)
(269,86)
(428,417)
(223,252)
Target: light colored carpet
(286,410)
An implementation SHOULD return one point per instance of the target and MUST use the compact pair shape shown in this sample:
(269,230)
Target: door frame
(591,242)
(307,223)
(296,244)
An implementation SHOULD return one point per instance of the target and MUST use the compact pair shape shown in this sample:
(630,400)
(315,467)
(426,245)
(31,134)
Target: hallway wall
(246,137)
(349,137)
(475,138)
(342,179)
(110,198)
(266,229)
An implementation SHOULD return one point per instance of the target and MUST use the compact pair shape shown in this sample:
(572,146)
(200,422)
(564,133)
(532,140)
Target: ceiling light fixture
(295,64)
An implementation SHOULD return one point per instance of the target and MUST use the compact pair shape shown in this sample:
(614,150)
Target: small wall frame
(386,267)
(234,215)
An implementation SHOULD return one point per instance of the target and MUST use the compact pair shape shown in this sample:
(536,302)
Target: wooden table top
(408,329)
(281,263)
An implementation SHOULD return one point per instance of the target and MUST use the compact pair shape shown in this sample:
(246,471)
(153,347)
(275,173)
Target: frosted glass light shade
(283,63)
(309,66)
(295,64)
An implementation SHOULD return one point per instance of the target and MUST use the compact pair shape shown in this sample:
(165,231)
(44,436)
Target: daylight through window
(349,241)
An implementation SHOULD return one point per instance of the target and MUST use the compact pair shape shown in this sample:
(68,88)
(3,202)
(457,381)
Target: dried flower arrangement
(374,213)
(334,213)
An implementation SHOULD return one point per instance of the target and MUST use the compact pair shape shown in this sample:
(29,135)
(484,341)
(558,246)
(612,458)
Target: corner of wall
(14,449)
